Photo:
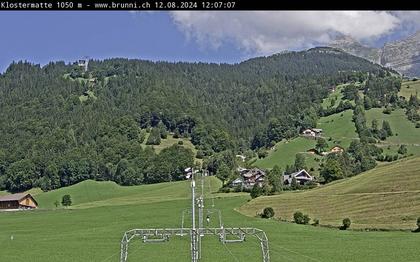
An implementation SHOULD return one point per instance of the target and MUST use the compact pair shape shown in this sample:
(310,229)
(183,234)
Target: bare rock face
(353,47)
(402,55)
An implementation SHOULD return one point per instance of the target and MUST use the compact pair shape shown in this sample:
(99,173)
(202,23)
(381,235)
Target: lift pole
(194,246)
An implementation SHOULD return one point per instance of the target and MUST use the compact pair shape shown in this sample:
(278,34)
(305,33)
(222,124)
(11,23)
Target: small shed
(18,201)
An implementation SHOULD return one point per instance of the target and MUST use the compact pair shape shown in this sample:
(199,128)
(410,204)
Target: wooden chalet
(18,201)
(249,177)
(312,132)
(302,177)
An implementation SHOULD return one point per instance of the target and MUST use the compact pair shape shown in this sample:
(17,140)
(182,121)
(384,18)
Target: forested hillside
(60,125)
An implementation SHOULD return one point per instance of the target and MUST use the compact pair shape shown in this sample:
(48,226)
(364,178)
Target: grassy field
(385,197)
(339,127)
(94,233)
(404,130)
(285,152)
(410,88)
(169,141)
(335,96)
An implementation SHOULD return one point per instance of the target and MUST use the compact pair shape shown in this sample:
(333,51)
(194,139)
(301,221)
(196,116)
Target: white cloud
(259,32)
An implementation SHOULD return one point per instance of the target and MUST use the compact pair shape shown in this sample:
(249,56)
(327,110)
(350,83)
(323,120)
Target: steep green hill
(338,129)
(385,197)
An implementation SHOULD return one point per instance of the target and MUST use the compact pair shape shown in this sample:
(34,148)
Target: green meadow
(409,88)
(284,152)
(91,230)
(404,131)
(339,127)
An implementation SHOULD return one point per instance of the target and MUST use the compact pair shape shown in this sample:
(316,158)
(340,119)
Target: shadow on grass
(416,230)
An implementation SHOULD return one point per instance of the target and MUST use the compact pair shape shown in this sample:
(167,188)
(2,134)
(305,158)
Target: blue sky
(41,37)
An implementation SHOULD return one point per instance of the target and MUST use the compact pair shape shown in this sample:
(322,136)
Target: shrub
(418,222)
(387,110)
(316,222)
(66,200)
(402,150)
(262,153)
(256,191)
(200,154)
(224,190)
(346,223)
(268,212)
(306,219)
(380,158)
(180,142)
(298,217)
(418,125)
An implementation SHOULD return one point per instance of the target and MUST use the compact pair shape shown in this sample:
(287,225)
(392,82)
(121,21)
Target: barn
(18,201)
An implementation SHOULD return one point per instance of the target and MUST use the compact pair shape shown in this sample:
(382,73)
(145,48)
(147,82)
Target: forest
(60,125)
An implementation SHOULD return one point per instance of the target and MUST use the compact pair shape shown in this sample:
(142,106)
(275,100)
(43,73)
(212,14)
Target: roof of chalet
(238,180)
(16,197)
(252,172)
(316,130)
(295,174)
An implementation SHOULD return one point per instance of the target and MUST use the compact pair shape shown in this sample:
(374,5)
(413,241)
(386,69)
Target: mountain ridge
(402,55)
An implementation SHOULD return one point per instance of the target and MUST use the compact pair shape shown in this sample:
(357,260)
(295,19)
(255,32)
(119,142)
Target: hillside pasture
(404,131)
(284,152)
(339,127)
(409,88)
(385,197)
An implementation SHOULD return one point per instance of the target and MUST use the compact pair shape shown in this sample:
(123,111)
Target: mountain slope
(352,46)
(385,197)
(402,55)
(94,127)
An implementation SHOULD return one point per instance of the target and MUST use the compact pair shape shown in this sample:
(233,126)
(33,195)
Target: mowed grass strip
(385,197)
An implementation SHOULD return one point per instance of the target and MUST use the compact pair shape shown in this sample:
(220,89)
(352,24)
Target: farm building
(337,149)
(312,132)
(301,177)
(18,201)
(249,177)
